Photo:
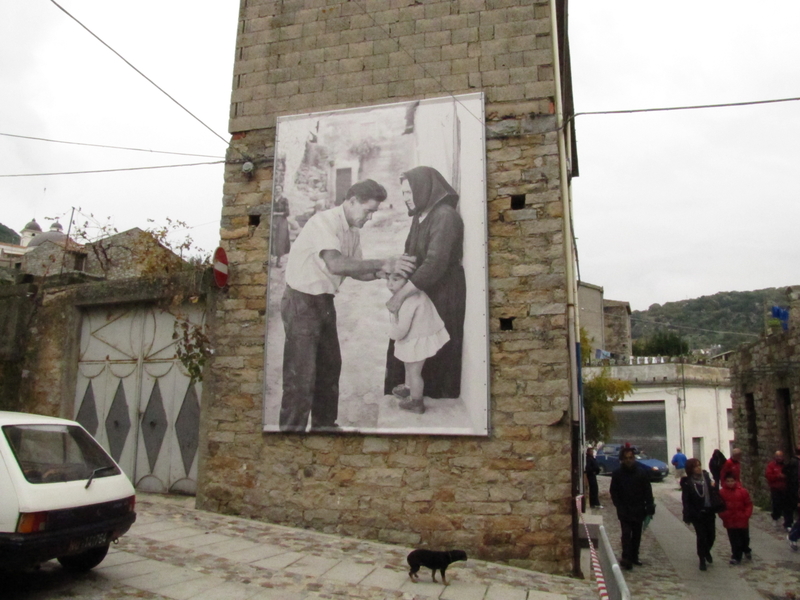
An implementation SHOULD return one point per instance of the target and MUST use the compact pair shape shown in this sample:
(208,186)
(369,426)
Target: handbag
(717,502)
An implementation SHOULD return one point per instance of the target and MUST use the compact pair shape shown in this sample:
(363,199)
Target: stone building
(96,342)
(507,496)
(607,322)
(673,404)
(766,389)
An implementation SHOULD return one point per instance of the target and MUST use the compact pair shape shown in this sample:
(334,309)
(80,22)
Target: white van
(61,495)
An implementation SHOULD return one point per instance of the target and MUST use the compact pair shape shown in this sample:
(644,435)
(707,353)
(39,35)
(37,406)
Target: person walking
(592,469)
(679,462)
(632,496)
(776,479)
(792,470)
(736,518)
(715,465)
(732,465)
(699,498)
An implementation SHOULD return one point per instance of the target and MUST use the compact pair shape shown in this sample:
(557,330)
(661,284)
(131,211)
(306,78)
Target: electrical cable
(667,325)
(692,107)
(670,325)
(38,139)
(216,162)
(140,73)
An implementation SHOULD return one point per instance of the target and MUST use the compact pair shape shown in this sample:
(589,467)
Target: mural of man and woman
(427,307)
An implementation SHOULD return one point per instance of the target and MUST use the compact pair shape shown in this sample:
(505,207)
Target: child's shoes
(401,391)
(415,406)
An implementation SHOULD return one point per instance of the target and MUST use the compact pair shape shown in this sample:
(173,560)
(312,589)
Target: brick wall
(505,497)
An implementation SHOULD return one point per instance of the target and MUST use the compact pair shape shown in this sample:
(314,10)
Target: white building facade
(674,405)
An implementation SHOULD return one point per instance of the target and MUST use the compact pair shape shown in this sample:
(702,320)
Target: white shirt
(327,230)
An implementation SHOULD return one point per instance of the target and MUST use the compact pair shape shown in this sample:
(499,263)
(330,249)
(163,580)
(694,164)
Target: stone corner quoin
(504,497)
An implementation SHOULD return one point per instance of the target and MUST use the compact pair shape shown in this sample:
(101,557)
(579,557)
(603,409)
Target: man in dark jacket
(592,470)
(792,470)
(632,495)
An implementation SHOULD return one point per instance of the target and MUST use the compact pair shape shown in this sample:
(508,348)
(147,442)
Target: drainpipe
(572,337)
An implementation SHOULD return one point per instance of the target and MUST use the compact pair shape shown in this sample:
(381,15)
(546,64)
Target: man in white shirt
(327,250)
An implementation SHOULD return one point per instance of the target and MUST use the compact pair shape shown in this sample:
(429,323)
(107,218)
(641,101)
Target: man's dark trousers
(631,539)
(782,506)
(312,361)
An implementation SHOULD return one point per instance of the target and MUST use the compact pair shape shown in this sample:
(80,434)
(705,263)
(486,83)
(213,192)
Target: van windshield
(54,453)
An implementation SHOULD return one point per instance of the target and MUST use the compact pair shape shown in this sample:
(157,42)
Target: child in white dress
(418,333)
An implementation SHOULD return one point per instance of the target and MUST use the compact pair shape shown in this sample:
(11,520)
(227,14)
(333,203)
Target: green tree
(586,347)
(661,343)
(599,396)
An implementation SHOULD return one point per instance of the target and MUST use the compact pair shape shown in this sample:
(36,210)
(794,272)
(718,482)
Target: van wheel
(85,560)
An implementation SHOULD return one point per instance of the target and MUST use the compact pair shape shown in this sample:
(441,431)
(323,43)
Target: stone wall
(766,398)
(506,497)
(617,323)
(132,253)
(41,376)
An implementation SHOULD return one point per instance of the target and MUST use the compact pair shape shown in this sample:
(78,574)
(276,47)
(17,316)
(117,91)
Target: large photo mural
(377,318)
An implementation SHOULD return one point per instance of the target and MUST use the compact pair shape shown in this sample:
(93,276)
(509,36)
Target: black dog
(435,560)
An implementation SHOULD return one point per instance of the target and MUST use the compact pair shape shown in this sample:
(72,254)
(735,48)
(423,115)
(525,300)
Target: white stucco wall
(705,414)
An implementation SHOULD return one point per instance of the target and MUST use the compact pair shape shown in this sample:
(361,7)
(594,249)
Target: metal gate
(135,397)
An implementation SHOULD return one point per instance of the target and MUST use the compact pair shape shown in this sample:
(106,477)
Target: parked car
(608,460)
(61,495)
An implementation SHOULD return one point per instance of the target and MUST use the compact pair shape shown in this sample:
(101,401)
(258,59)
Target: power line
(692,328)
(693,107)
(668,325)
(139,72)
(216,162)
(38,139)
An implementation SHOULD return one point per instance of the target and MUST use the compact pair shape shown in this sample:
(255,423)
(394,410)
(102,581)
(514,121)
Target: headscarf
(428,187)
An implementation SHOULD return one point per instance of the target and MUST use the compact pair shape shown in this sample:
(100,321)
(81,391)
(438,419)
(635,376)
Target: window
(697,449)
(786,419)
(730,418)
(50,453)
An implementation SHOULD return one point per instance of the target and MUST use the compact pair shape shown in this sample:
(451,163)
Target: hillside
(710,320)
(8,235)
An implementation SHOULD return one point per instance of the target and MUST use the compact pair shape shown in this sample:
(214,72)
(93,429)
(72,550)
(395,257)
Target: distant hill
(703,320)
(8,236)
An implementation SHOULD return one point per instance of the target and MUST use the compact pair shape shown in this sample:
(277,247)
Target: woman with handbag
(701,502)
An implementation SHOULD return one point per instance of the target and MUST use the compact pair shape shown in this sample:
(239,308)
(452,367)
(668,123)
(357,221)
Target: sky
(668,206)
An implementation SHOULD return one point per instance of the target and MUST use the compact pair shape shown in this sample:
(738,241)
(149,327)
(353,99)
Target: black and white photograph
(377,303)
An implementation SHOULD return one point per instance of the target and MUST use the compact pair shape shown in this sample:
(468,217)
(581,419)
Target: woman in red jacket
(736,518)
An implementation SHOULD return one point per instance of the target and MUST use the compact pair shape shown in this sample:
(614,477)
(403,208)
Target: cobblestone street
(671,570)
(174,551)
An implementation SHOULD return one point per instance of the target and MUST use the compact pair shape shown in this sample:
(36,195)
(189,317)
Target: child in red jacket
(736,517)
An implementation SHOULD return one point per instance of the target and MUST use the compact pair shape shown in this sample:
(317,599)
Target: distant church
(13,246)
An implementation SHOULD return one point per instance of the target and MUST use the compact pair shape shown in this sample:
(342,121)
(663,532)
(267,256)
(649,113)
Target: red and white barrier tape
(596,569)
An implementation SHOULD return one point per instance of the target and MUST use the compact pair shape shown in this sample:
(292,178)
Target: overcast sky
(668,206)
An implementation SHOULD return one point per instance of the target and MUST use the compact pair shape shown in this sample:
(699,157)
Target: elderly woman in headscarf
(436,239)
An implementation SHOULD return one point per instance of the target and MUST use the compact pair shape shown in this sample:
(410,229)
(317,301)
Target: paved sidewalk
(671,565)
(176,552)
